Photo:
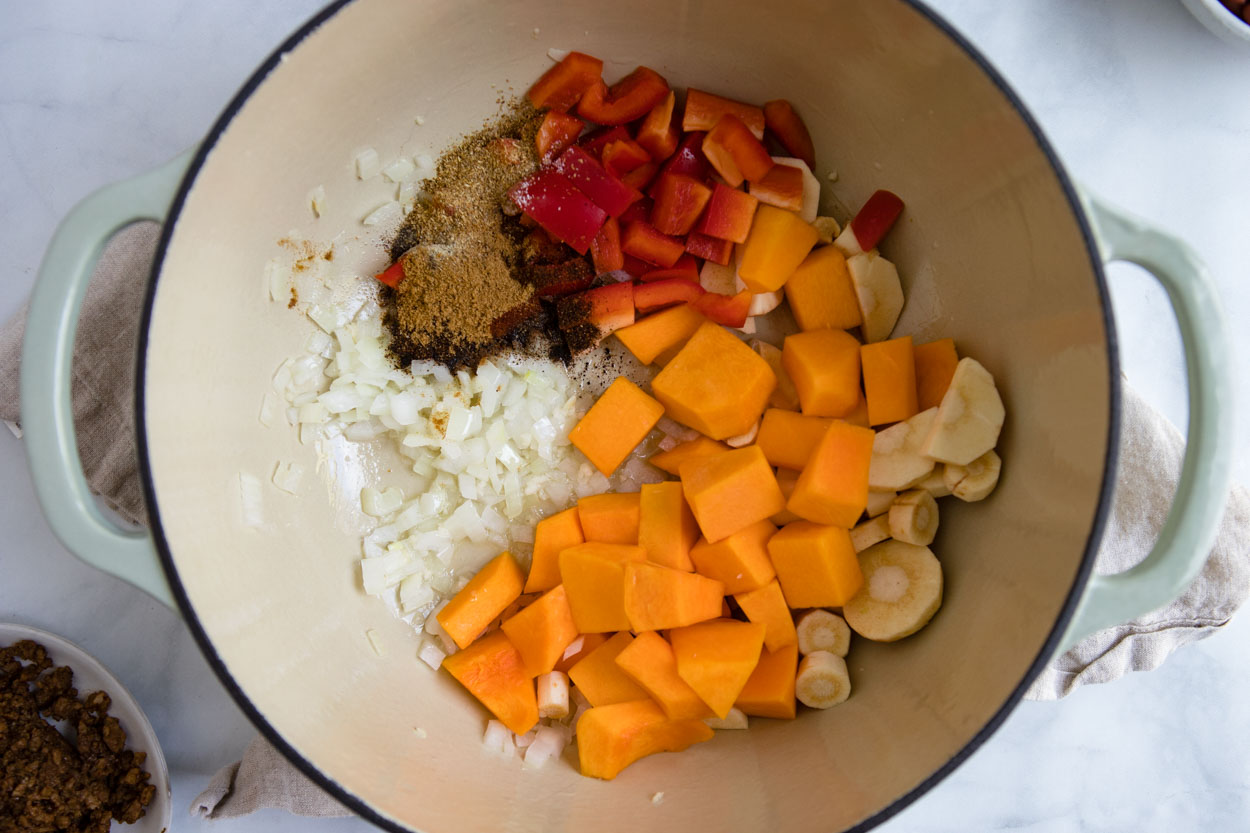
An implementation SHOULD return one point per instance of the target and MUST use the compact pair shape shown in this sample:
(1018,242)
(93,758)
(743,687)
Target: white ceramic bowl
(1223,23)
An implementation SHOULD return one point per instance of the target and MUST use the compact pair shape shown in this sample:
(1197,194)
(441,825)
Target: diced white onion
(432,655)
(251,500)
(497,738)
(287,477)
(367,163)
(399,170)
(317,200)
(385,214)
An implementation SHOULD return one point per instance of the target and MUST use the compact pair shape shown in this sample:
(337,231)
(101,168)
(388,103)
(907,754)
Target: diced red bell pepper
(605,249)
(875,218)
(645,243)
(620,156)
(594,141)
(688,159)
(630,98)
(555,279)
(636,267)
(679,200)
(782,187)
(604,190)
(641,176)
(556,204)
(735,153)
(709,248)
(791,132)
(665,293)
(657,133)
(392,275)
(703,111)
(686,267)
(729,214)
(585,318)
(640,210)
(557,131)
(563,85)
(728,310)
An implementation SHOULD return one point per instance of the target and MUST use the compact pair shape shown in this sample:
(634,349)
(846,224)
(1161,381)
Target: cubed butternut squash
(778,242)
(601,680)
(593,575)
(670,461)
(552,534)
(739,561)
(767,606)
(610,738)
(786,479)
(824,365)
(821,294)
(716,658)
(889,380)
(788,439)
(650,662)
(648,337)
(666,526)
(542,630)
(730,491)
(659,598)
(769,692)
(615,424)
(589,641)
(610,518)
(816,564)
(833,487)
(715,384)
(493,672)
(935,367)
(496,585)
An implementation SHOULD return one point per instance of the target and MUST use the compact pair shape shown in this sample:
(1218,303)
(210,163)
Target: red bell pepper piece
(875,218)
(392,275)
(735,153)
(563,85)
(785,124)
(594,141)
(686,268)
(688,159)
(604,190)
(588,316)
(558,131)
(640,210)
(620,156)
(782,187)
(554,279)
(729,214)
(679,200)
(645,243)
(641,176)
(628,99)
(556,204)
(657,133)
(709,248)
(605,249)
(727,310)
(665,293)
(635,267)
(703,111)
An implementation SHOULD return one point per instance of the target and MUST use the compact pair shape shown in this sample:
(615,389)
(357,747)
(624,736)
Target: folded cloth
(1150,459)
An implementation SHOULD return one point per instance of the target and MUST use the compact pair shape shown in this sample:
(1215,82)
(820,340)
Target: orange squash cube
(492,670)
(610,518)
(788,439)
(730,491)
(670,461)
(778,243)
(889,380)
(767,606)
(589,641)
(821,294)
(666,526)
(824,365)
(716,658)
(769,691)
(599,677)
(480,602)
(542,630)
(833,486)
(859,416)
(715,384)
(552,534)
(739,562)
(615,424)
(786,480)
(650,662)
(659,598)
(648,337)
(610,738)
(935,367)
(816,564)
(593,575)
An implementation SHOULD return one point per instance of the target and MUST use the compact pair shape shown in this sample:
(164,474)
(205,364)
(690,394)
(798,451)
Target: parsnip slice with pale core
(901,592)
(974,481)
(897,458)
(878,291)
(969,419)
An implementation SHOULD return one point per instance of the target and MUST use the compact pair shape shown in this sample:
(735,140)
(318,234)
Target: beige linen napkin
(1149,466)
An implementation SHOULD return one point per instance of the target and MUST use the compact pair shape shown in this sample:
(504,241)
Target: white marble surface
(1144,105)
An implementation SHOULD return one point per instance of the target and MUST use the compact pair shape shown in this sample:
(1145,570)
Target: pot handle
(47,359)
(1189,532)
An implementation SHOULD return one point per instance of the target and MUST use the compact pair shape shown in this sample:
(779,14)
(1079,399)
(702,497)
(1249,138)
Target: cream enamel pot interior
(995,249)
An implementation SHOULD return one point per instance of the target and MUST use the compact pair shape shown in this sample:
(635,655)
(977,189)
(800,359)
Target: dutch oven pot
(997,249)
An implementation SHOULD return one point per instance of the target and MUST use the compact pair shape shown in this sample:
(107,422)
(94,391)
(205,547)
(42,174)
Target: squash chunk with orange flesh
(786,480)
(552,534)
(740,561)
(833,486)
(770,690)
(599,677)
(649,337)
(821,294)
(480,602)
(670,461)
(589,642)
(716,658)
(593,575)
(824,365)
(610,738)
(889,380)
(542,630)
(935,367)
(816,565)
(659,598)
(788,439)
(610,518)
(492,670)
(767,606)
(778,242)
(730,491)
(666,526)
(715,384)
(615,424)
(649,661)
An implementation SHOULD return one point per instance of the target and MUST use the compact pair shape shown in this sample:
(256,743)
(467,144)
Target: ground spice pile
(47,782)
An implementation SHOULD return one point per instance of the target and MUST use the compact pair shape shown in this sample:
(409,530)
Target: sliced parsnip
(897,458)
(736,719)
(872,531)
(913,518)
(976,480)
(828,228)
(745,438)
(878,291)
(879,502)
(821,630)
(784,396)
(934,482)
(823,680)
(901,592)
(969,419)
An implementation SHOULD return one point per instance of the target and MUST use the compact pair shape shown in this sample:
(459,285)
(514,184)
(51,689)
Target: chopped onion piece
(431,655)
(317,200)
(288,477)
(251,499)
(367,164)
(399,170)
(498,738)
(375,642)
(386,214)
